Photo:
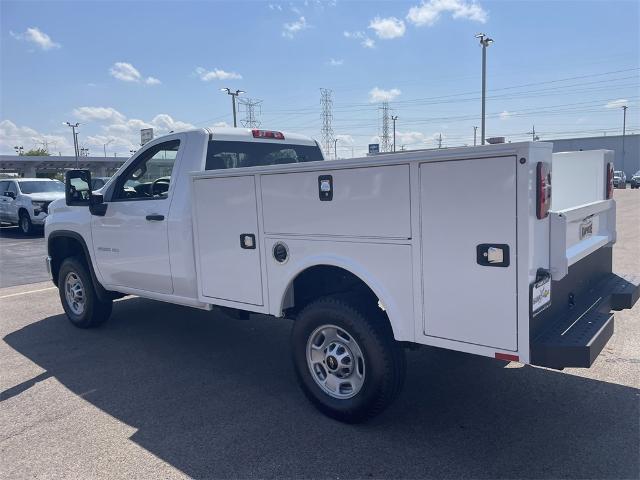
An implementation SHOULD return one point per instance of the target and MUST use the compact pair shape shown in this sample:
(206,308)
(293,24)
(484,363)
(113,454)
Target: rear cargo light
(609,180)
(507,356)
(267,134)
(543,193)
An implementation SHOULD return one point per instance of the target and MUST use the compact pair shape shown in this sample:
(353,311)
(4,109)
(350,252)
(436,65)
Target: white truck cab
(367,255)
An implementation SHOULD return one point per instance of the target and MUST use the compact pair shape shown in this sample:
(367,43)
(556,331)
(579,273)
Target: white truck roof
(246,135)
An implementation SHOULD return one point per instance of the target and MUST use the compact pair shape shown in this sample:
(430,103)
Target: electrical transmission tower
(252,110)
(326,101)
(385,138)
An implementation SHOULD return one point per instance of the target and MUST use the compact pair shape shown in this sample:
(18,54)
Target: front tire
(78,295)
(346,359)
(25,224)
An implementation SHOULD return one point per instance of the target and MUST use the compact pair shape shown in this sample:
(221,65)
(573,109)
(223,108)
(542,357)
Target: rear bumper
(575,330)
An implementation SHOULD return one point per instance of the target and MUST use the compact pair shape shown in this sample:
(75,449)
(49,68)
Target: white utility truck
(366,255)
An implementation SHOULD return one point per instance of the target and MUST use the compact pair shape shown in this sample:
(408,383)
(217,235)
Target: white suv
(25,201)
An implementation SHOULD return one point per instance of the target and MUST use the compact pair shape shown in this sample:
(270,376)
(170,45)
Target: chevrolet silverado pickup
(367,256)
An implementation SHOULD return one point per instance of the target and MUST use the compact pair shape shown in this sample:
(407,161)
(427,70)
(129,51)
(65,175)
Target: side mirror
(10,195)
(77,188)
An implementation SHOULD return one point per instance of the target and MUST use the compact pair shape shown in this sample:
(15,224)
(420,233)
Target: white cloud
(505,115)
(220,125)
(12,135)
(345,140)
(216,74)
(377,95)
(365,41)
(275,6)
(429,11)
(291,29)
(37,37)
(617,103)
(335,62)
(409,138)
(99,113)
(388,28)
(128,73)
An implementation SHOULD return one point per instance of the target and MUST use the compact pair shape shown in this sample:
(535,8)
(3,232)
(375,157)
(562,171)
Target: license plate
(586,228)
(541,295)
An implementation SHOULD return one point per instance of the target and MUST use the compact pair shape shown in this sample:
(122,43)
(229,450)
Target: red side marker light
(543,193)
(508,357)
(609,180)
(267,134)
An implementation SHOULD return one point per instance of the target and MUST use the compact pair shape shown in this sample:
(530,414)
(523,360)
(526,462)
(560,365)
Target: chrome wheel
(74,293)
(335,361)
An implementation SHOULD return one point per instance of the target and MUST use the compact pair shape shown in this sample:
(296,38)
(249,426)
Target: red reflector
(609,180)
(543,190)
(508,357)
(267,134)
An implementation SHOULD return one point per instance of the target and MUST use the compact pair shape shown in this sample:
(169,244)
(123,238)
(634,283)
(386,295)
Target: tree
(36,152)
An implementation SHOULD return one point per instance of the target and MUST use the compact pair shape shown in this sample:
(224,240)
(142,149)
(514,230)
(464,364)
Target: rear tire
(346,359)
(78,295)
(25,224)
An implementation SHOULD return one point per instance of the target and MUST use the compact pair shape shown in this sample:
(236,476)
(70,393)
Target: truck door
(468,231)
(131,244)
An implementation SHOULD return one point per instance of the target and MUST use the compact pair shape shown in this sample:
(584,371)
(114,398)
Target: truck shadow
(216,397)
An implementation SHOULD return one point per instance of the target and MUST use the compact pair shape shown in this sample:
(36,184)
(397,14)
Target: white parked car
(25,201)
(367,255)
(619,179)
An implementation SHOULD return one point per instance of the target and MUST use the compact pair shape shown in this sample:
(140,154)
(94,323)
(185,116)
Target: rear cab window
(222,154)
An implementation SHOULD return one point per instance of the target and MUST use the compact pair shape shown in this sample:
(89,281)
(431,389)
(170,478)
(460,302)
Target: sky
(565,67)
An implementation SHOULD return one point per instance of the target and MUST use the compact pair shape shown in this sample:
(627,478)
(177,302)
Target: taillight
(267,134)
(609,180)
(543,192)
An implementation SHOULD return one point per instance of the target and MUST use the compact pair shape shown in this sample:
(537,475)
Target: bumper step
(578,338)
(625,291)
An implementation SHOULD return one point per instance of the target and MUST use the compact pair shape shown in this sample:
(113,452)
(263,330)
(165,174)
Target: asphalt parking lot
(21,257)
(163,391)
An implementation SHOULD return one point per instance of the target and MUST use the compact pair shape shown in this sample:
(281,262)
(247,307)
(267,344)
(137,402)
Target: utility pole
(534,137)
(624,130)
(75,139)
(394,118)
(326,102)
(440,140)
(475,130)
(104,145)
(485,41)
(233,101)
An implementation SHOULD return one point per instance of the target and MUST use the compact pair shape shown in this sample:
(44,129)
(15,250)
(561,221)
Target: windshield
(223,154)
(39,187)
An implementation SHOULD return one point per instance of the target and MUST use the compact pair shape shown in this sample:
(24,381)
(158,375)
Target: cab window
(149,177)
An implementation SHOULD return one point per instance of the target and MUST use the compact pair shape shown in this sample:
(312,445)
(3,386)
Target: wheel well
(22,210)
(327,280)
(61,248)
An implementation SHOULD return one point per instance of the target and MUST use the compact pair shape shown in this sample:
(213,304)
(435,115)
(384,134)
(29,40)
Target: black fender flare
(102,293)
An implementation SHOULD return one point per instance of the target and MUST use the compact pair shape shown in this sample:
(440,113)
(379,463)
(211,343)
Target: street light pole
(475,130)
(624,130)
(233,101)
(75,139)
(485,41)
(335,148)
(104,145)
(394,118)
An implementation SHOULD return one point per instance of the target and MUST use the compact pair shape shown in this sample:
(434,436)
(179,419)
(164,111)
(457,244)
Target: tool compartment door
(225,214)
(468,228)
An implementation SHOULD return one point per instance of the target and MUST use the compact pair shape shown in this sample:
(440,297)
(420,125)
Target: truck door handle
(155,218)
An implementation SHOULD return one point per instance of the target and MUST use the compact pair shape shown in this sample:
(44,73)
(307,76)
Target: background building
(613,142)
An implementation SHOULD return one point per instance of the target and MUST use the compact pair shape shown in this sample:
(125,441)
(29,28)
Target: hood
(44,196)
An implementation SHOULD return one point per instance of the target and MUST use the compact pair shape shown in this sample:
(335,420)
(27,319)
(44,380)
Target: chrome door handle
(155,218)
